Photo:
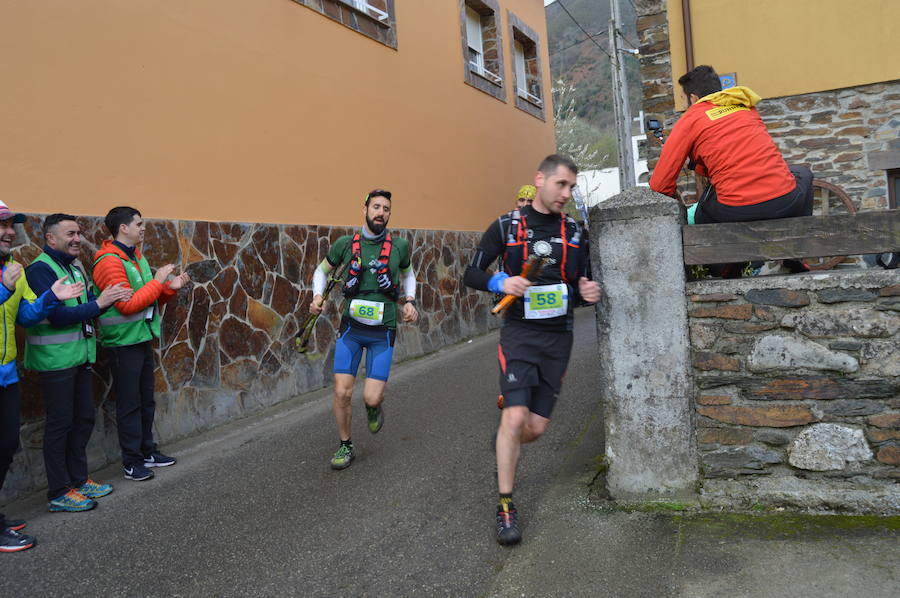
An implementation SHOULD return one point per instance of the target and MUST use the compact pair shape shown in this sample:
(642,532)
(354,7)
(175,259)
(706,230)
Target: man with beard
(19,305)
(536,338)
(379,267)
(62,350)
(127,330)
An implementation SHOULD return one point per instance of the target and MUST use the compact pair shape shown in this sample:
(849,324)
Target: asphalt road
(253,508)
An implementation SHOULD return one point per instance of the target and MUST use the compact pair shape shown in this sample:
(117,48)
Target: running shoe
(92,489)
(15,525)
(13,541)
(137,472)
(157,459)
(72,502)
(375,416)
(342,457)
(508,525)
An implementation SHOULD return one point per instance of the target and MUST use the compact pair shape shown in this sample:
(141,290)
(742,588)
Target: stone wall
(798,390)
(227,340)
(836,133)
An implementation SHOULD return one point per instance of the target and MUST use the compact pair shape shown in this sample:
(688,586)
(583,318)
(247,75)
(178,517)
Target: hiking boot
(13,541)
(72,502)
(375,416)
(157,459)
(137,472)
(92,489)
(342,457)
(508,525)
(15,525)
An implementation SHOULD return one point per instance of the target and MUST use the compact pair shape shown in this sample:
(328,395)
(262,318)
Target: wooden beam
(810,236)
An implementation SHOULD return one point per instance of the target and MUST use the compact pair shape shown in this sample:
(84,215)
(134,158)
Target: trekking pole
(301,341)
(530,271)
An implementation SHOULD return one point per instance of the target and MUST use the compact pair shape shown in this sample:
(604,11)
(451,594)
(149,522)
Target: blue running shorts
(379,346)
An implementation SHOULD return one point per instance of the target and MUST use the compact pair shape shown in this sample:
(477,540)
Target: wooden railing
(807,237)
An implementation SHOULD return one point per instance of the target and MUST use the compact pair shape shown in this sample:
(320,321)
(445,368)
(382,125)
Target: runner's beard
(376,227)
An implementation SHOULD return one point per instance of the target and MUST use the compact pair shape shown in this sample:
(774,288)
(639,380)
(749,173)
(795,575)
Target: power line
(598,34)
(574,20)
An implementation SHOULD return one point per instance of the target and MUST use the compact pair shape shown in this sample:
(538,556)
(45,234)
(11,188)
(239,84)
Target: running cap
(7,214)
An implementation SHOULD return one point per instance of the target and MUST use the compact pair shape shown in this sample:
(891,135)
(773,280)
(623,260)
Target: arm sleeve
(40,278)
(489,249)
(33,309)
(409,282)
(674,152)
(5,293)
(110,271)
(319,277)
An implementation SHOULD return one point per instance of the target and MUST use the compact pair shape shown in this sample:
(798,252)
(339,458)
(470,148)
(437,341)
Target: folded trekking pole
(531,270)
(301,342)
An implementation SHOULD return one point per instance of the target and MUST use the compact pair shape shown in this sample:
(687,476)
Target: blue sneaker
(157,459)
(92,489)
(72,501)
(137,472)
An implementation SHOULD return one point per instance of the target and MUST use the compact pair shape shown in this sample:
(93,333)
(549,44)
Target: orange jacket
(109,272)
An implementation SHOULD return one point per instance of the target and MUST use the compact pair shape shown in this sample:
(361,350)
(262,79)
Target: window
(372,18)
(482,46)
(527,67)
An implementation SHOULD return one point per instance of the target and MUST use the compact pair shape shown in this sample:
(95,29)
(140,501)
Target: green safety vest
(50,348)
(118,330)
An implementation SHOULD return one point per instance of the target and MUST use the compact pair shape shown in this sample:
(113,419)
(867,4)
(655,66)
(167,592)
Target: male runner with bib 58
(378,275)
(536,338)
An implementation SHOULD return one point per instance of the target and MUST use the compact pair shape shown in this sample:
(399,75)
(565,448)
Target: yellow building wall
(256,111)
(790,47)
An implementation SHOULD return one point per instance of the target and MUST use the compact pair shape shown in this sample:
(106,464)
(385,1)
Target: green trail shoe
(342,457)
(376,418)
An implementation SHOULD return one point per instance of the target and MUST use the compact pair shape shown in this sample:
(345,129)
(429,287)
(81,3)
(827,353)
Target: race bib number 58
(546,301)
(367,312)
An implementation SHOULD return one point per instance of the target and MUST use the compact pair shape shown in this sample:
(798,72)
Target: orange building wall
(259,111)
(790,47)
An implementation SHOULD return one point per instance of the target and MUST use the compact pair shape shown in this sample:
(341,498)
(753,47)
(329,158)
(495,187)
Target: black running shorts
(532,366)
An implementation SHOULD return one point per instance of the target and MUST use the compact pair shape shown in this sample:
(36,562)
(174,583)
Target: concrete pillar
(645,354)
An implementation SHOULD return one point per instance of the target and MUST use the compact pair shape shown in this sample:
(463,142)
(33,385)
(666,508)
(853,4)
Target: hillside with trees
(582,89)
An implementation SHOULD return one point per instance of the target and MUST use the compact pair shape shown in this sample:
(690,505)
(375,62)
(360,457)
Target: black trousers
(10,404)
(69,405)
(132,369)
(798,202)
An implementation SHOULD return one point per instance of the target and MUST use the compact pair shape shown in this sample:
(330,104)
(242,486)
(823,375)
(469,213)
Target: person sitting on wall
(726,140)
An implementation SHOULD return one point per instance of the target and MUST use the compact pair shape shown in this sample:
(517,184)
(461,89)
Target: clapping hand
(179,281)
(65,291)
(114,294)
(11,275)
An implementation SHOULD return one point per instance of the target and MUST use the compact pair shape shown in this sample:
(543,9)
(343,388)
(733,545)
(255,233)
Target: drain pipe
(688,36)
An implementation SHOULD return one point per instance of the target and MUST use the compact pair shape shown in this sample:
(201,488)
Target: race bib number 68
(367,312)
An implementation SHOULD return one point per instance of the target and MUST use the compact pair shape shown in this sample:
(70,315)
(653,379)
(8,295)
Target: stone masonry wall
(832,132)
(798,390)
(227,347)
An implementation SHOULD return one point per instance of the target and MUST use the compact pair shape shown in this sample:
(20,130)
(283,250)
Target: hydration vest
(516,253)
(386,284)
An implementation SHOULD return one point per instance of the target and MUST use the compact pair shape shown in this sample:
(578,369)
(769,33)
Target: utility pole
(620,97)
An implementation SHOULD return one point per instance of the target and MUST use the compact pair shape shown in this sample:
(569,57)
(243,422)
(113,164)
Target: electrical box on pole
(620,101)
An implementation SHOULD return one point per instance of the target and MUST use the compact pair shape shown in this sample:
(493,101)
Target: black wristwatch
(412,302)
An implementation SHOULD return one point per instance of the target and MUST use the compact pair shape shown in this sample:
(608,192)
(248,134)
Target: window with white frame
(482,46)
(369,9)
(526,51)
